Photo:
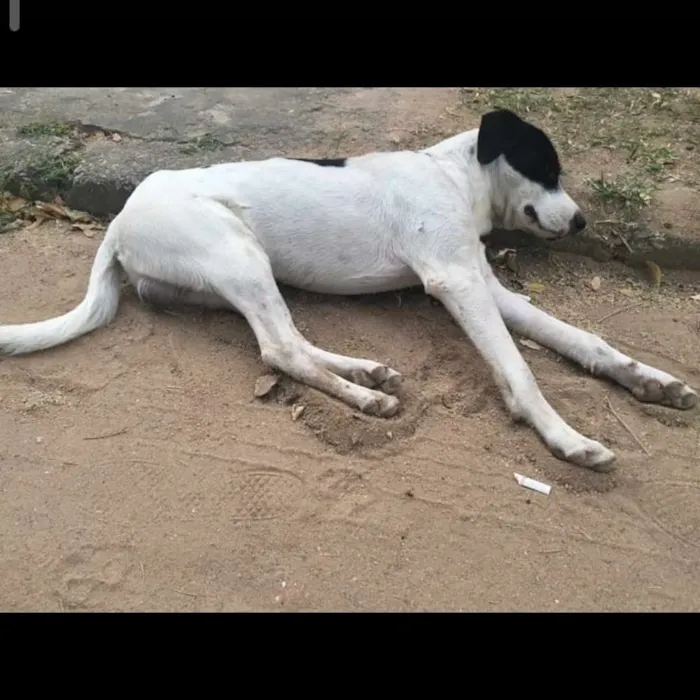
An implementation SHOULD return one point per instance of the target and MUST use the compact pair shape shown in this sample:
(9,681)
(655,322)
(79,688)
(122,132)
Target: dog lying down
(222,236)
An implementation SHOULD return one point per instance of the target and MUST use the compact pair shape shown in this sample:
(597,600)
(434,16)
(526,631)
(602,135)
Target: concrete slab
(94,145)
(169,114)
(110,139)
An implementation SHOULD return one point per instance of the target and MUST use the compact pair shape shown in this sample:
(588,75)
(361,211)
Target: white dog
(221,236)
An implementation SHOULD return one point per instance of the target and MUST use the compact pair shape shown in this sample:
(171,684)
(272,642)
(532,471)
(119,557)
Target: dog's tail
(97,309)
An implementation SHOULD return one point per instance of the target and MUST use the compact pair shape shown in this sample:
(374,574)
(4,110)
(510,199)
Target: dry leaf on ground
(265,384)
(79,216)
(530,344)
(51,211)
(13,204)
(88,229)
(34,217)
(54,210)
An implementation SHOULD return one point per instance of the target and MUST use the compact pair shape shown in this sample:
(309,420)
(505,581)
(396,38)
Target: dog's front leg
(463,291)
(588,350)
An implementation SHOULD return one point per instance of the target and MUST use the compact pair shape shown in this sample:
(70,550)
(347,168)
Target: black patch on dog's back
(325,162)
(527,149)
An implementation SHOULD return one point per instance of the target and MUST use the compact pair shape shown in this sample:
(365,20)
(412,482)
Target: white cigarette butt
(529,483)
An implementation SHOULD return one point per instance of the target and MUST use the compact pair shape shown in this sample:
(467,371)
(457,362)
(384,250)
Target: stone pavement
(120,135)
(94,145)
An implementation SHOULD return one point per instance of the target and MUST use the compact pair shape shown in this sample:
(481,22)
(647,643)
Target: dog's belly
(319,263)
(346,280)
(330,263)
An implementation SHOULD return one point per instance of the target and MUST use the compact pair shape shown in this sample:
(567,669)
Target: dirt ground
(139,472)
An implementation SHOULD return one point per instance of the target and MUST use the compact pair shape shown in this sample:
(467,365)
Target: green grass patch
(39,129)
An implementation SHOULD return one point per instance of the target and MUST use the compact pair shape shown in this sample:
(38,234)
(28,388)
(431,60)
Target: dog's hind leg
(647,383)
(367,373)
(241,274)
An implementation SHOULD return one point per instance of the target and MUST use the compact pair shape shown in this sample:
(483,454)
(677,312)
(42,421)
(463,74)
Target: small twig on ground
(626,427)
(585,534)
(110,380)
(189,595)
(616,222)
(104,436)
(619,311)
(624,241)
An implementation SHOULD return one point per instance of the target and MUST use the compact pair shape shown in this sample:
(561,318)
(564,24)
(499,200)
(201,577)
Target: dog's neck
(479,182)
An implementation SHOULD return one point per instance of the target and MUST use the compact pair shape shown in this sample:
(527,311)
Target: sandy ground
(140,473)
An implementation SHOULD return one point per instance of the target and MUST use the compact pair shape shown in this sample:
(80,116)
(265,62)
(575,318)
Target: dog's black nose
(578,223)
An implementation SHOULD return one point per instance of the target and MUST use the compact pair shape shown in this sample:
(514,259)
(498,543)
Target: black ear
(498,133)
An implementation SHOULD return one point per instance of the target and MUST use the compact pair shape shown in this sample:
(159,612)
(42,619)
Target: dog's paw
(383,378)
(387,379)
(585,453)
(381,405)
(674,394)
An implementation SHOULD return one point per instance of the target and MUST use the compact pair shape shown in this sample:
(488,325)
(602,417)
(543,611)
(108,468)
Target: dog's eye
(531,213)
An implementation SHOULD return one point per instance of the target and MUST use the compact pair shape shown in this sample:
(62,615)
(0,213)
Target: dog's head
(527,172)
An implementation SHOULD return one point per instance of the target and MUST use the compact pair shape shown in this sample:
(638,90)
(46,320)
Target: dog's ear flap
(498,133)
